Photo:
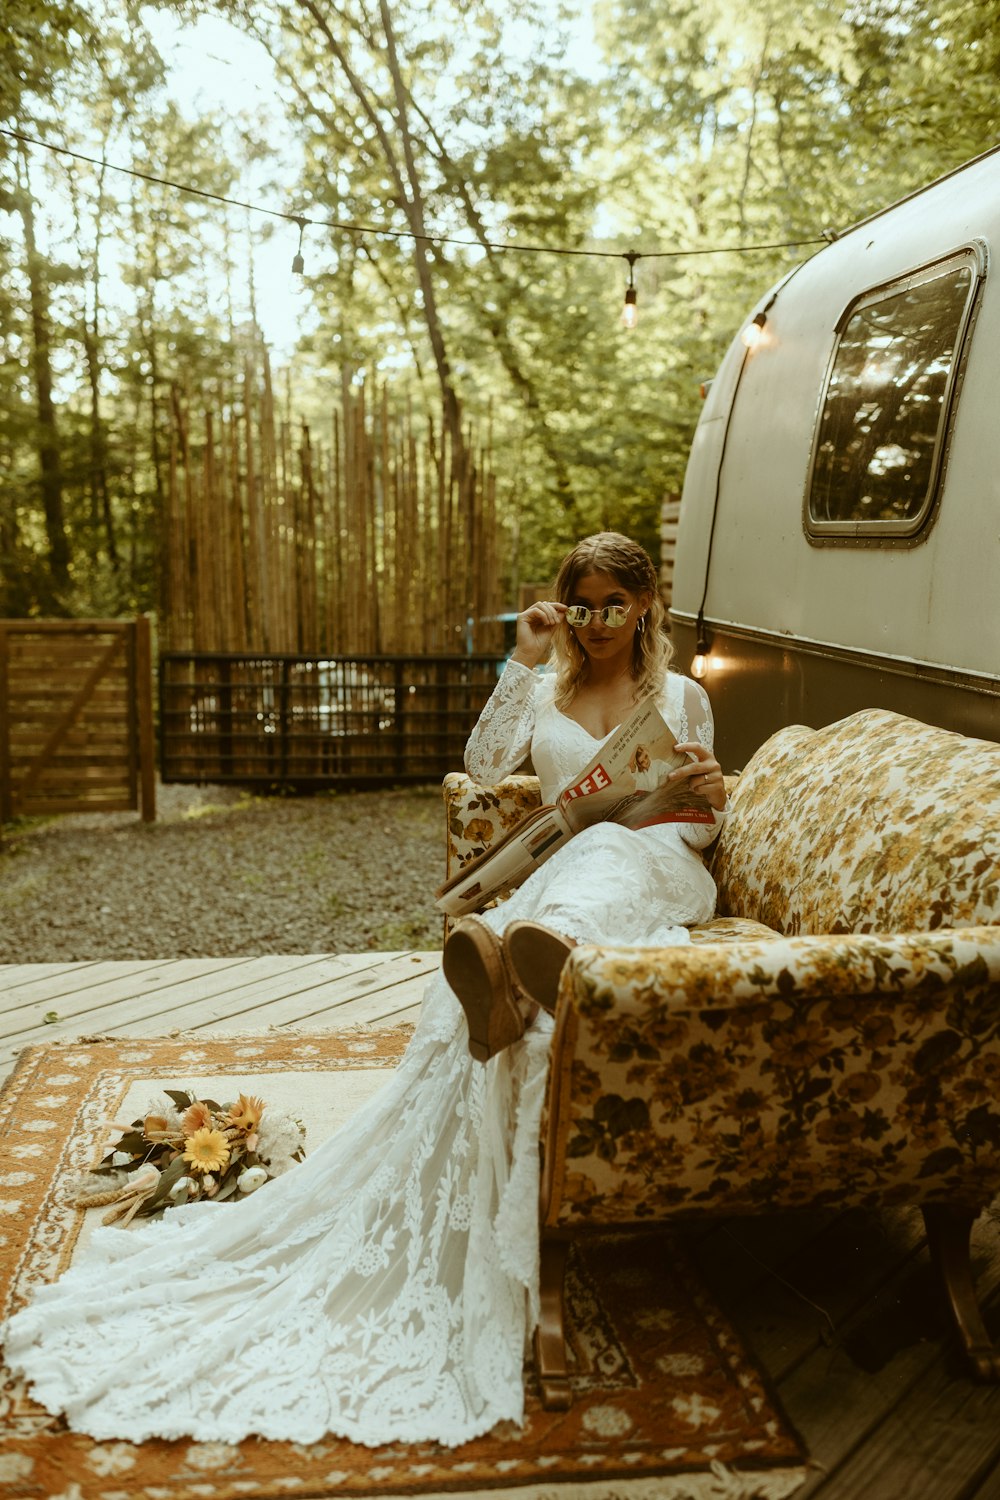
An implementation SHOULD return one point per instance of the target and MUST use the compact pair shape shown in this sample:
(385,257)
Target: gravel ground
(224,873)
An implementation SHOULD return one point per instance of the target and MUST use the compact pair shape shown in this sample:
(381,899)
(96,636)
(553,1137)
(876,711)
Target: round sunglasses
(613,615)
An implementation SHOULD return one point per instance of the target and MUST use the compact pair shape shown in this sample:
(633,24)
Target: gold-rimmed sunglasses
(613,615)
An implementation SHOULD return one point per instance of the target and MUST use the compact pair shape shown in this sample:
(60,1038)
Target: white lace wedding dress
(383,1290)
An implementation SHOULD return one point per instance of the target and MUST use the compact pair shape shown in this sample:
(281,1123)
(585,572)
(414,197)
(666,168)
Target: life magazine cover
(626,782)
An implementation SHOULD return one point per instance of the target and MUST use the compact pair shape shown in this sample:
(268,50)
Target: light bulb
(702,661)
(754,332)
(298,264)
(630,313)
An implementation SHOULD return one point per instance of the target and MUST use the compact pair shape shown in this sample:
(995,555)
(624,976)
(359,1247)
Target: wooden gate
(76,720)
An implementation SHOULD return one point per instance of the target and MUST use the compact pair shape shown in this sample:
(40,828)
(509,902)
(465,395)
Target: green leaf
(168,1177)
(50,1017)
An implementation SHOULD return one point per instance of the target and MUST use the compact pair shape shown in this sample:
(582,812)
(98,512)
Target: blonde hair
(630,566)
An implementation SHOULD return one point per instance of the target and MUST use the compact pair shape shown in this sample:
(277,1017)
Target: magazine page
(506,865)
(637,759)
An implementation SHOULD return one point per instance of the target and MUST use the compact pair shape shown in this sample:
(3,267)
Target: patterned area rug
(667,1404)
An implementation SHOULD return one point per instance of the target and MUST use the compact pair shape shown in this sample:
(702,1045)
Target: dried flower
(206,1150)
(198,1117)
(280,1145)
(183,1188)
(246,1112)
(250,1180)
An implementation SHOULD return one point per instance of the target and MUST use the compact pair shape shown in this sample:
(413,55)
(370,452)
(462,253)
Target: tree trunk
(41,364)
(99,489)
(411,200)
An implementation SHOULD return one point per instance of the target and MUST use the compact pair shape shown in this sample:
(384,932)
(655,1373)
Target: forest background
(645,125)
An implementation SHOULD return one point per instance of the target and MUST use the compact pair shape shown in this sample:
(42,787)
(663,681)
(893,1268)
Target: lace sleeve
(700,730)
(501,739)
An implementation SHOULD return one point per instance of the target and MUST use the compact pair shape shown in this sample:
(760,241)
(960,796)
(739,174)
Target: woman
(383,1290)
(606,624)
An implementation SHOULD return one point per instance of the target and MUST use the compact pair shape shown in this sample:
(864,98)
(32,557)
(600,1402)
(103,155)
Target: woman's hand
(703,773)
(535,628)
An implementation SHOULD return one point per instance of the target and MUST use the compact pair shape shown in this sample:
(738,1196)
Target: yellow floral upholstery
(477,815)
(874,824)
(772,1074)
(729,930)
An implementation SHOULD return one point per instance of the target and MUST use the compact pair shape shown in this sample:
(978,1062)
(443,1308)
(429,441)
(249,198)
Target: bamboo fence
(364,544)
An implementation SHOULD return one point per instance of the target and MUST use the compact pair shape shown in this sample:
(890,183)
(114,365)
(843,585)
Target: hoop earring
(640,624)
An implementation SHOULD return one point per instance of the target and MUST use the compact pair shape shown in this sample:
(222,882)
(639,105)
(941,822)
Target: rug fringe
(358,1028)
(720,1483)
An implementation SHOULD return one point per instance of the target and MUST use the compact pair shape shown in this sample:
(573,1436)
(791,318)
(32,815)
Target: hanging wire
(402,234)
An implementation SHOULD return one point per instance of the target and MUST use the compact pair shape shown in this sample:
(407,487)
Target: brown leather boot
(535,957)
(475,967)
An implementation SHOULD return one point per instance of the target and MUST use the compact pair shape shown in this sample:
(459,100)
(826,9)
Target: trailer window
(885,413)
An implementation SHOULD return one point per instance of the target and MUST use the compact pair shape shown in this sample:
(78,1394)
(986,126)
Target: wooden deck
(843,1312)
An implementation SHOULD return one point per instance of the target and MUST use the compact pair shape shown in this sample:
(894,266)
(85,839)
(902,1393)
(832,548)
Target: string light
(298,263)
(409,234)
(754,331)
(630,312)
(702,661)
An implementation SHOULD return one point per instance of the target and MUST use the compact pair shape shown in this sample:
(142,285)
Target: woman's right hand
(535,628)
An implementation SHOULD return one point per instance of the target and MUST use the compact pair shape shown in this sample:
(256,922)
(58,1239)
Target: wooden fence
(670,516)
(76,723)
(310,722)
(354,536)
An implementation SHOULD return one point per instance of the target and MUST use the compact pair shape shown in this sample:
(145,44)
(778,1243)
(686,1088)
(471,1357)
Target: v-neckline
(599,738)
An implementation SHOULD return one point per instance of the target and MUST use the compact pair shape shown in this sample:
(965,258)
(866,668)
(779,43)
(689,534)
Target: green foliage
(717,123)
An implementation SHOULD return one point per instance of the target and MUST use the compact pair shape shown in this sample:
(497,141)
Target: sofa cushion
(877,823)
(729,930)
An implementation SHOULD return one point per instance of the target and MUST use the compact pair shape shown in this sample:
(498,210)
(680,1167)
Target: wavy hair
(630,566)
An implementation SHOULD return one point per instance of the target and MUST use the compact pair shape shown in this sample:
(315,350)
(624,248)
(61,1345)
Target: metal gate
(76,719)
(310,722)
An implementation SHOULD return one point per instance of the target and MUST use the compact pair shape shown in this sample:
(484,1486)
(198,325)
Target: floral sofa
(831,1038)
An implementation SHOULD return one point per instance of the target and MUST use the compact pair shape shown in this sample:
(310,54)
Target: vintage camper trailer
(839,536)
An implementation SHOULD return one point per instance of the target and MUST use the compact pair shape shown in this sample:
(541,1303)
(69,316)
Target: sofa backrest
(877,823)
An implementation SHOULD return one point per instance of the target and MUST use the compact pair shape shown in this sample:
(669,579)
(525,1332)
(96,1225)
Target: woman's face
(605,643)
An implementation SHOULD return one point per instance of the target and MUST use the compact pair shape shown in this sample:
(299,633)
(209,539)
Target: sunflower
(245,1113)
(206,1151)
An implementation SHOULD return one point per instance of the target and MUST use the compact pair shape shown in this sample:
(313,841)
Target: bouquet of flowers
(183,1149)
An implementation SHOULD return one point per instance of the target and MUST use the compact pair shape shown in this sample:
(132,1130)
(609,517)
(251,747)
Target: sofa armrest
(477,815)
(772,1073)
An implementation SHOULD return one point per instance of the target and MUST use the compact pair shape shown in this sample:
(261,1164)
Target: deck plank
(938,1439)
(83,977)
(317,1007)
(887,1358)
(291,998)
(118,999)
(13,975)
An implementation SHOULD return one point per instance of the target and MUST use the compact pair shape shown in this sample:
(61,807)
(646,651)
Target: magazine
(626,782)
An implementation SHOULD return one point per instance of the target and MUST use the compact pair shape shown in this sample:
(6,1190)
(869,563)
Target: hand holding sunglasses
(535,628)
